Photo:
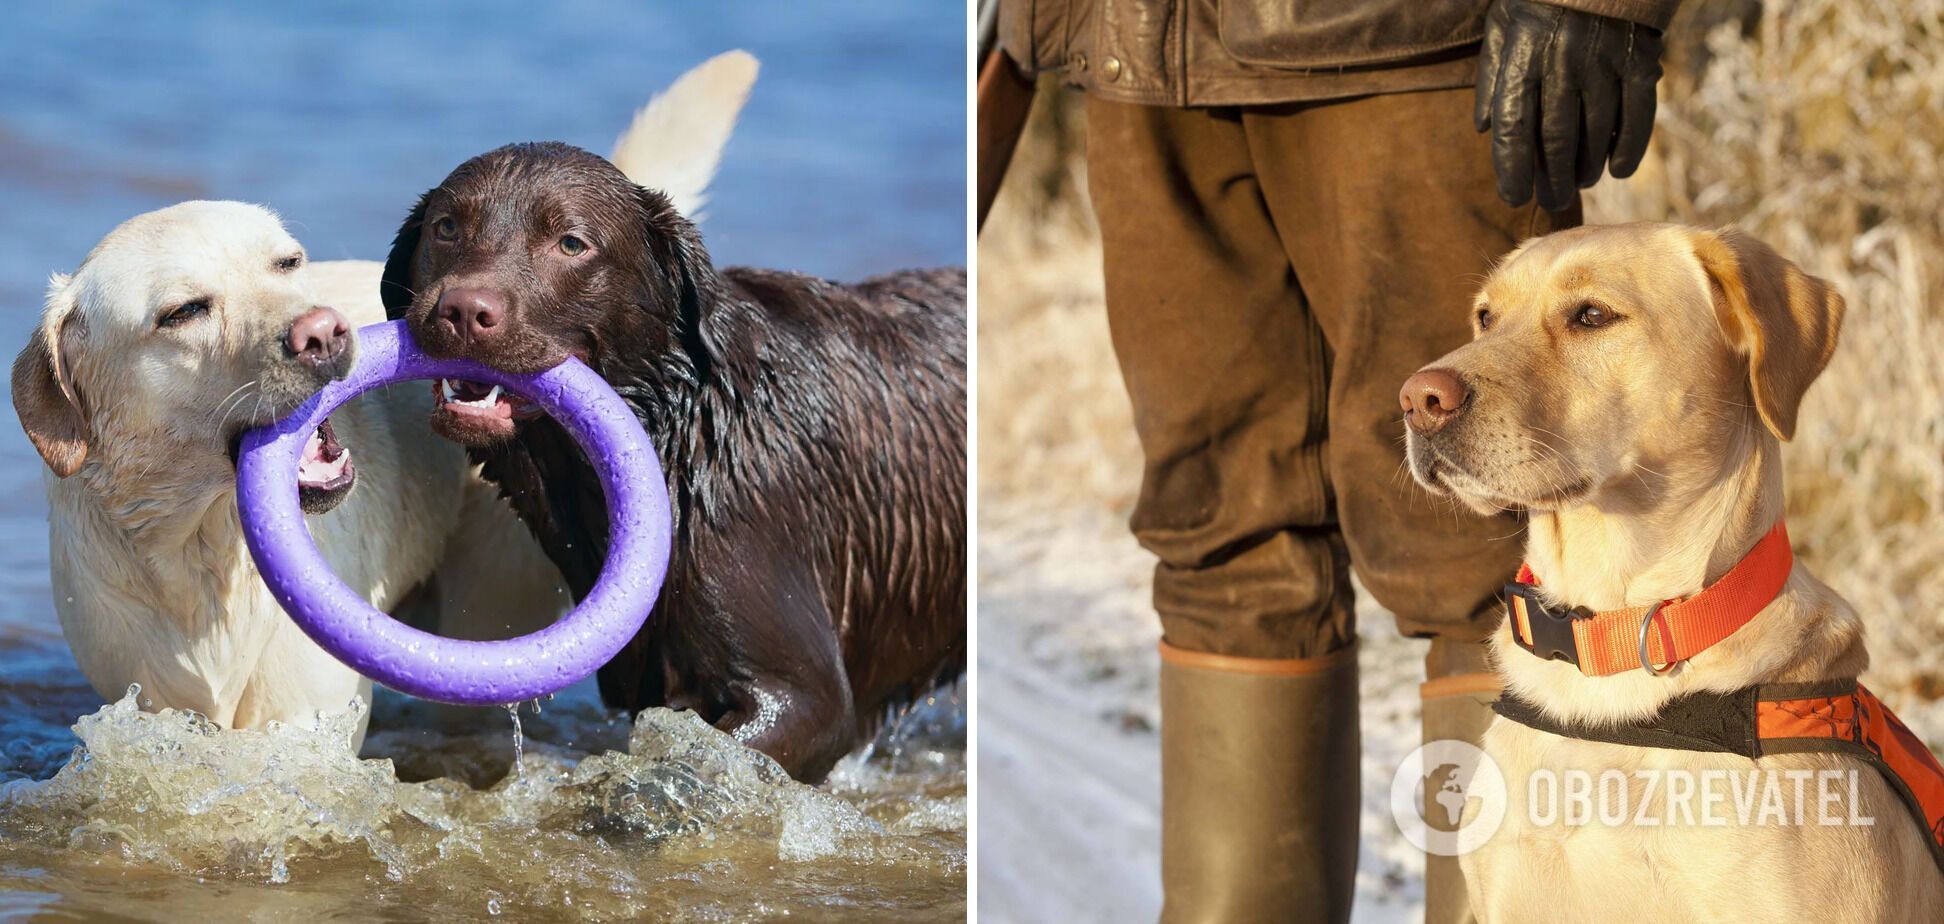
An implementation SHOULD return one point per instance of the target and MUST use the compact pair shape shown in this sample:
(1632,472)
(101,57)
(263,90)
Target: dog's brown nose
(1432,398)
(318,337)
(475,314)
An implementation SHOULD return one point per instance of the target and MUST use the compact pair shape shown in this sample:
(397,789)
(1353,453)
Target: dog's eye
(572,246)
(290,263)
(1484,320)
(1592,316)
(446,229)
(184,313)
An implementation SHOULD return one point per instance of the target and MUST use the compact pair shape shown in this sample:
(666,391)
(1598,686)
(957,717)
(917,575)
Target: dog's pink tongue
(318,467)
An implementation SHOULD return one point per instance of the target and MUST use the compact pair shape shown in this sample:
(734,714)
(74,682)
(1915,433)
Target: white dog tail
(675,142)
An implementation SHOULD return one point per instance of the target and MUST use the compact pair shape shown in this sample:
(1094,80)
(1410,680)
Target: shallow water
(668,818)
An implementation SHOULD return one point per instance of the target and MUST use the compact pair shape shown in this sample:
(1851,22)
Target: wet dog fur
(813,435)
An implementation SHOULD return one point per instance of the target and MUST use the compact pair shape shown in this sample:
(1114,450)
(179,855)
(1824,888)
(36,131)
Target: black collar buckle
(1551,630)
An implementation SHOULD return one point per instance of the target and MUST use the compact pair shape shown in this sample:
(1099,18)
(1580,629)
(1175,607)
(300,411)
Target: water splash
(680,821)
(146,785)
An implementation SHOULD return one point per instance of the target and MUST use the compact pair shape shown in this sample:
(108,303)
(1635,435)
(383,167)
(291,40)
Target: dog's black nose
(1433,398)
(475,314)
(318,337)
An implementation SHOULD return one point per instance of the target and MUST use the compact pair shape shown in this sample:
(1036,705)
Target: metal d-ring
(1646,662)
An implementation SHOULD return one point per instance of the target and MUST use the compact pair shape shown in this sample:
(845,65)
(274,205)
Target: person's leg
(1389,210)
(1390,214)
(1228,378)
(1456,705)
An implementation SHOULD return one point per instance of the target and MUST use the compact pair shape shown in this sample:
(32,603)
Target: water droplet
(519,744)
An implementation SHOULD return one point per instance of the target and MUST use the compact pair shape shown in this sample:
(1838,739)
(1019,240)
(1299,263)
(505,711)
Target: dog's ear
(395,287)
(1782,319)
(43,395)
(688,277)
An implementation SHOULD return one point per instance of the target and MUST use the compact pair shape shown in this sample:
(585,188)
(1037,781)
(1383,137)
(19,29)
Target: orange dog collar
(1651,637)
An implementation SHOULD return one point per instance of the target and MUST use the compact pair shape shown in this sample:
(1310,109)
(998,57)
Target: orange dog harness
(1837,716)
(1651,637)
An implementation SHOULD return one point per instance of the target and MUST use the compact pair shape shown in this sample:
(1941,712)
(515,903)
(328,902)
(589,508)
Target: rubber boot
(1259,794)
(1456,698)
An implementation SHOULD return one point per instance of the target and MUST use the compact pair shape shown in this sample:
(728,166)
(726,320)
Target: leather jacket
(1244,52)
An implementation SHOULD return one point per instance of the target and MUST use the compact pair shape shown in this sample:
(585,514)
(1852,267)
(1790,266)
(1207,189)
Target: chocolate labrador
(813,435)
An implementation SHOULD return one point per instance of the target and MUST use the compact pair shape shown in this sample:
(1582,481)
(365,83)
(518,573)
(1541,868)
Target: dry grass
(1817,125)
(1054,427)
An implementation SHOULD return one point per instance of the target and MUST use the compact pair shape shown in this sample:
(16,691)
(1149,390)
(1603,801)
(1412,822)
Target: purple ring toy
(426,665)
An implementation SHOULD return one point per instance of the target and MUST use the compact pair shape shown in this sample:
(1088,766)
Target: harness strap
(1838,716)
(1860,724)
(1610,641)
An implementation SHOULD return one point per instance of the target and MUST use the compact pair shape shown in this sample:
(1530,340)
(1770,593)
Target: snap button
(1080,61)
(1112,67)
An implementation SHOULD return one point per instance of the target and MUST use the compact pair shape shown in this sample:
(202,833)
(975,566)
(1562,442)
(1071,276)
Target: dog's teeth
(445,388)
(492,397)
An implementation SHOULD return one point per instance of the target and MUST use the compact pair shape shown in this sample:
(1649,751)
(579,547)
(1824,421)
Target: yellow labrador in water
(1629,387)
(185,327)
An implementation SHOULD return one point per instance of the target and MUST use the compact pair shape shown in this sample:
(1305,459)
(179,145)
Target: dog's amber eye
(572,246)
(1592,316)
(184,313)
(446,229)
(1484,319)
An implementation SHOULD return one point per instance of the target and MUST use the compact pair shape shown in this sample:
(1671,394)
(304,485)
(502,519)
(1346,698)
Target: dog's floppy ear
(43,395)
(1783,319)
(395,287)
(688,276)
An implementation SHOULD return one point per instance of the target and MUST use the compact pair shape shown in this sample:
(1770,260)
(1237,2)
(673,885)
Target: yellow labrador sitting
(1628,388)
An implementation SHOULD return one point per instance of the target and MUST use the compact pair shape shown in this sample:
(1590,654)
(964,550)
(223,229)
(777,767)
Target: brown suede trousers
(1274,273)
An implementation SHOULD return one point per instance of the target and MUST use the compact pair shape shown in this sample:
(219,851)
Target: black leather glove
(1564,93)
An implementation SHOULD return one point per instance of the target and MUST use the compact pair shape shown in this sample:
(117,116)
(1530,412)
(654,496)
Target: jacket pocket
(1320,34)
